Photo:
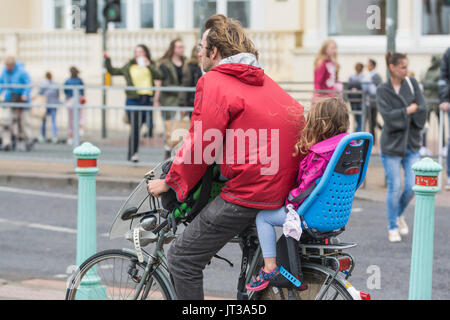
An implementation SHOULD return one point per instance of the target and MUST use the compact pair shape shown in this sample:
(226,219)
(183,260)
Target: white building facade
(47,35)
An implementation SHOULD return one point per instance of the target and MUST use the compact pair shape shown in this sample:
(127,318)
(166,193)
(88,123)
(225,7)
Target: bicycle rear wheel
(115,275)
(315,280)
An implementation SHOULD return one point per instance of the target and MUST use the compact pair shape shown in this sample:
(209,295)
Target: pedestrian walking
(326,70)
(402,106)
(370,85)
(235,93)
(140,72)
(171,66)
(444,99)
(431,94)
(52,97)
(192,72)
(356,99)
(74,80)
(16,124)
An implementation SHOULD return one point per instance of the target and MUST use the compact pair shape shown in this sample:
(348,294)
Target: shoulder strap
(410,85)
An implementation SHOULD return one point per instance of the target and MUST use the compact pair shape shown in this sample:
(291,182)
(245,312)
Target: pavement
(54,165)
(31,170)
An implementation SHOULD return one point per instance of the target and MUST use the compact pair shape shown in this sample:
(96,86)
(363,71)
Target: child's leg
(265,222)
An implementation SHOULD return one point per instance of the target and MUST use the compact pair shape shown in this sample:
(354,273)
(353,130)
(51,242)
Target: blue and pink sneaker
(262,281)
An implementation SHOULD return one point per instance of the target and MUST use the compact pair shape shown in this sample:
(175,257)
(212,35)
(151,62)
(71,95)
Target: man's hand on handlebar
(157,187)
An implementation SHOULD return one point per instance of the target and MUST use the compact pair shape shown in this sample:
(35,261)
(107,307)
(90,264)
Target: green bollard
(425,188)
(86,170)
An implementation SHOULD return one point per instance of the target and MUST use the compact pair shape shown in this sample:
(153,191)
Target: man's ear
(214,53)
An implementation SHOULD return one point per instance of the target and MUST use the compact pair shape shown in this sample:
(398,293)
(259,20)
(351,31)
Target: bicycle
(318,260)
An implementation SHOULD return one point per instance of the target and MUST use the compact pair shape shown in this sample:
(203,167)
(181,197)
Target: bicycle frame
(156,262)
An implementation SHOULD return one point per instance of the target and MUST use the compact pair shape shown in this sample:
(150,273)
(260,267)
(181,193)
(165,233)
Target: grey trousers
(209,232)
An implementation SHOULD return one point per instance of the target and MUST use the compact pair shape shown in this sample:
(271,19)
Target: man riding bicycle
(235,102)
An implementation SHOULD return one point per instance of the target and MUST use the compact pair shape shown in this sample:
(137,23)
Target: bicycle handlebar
(160,227)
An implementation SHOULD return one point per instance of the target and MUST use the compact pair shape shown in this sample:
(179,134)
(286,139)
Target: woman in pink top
(326,70)
(327,123)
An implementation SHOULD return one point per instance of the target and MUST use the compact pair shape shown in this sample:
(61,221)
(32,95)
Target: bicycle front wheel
(116,275)
(316,281)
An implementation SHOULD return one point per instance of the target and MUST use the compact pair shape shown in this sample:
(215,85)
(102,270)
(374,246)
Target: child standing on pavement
(327,123)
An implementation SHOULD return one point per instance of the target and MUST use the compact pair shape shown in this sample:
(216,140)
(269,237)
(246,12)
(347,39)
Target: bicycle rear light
(344,264)
(351,171)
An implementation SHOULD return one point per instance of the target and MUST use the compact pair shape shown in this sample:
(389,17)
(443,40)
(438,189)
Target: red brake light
(344,264)
(365,296)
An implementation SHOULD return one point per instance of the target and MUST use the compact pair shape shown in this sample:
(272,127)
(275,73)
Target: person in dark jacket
(356,99)
(139,72)
(372,81)
(444,99)
(402,106)
(431,94)
(192,72)
(171,66)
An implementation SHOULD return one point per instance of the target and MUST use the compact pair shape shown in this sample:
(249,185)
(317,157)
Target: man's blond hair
(228,36)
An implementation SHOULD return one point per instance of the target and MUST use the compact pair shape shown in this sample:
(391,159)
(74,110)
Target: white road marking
(356,210)
(56,195)
(42,227)
(38,226)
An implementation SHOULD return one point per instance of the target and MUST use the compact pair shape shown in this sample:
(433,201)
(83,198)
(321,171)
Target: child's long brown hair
(326,118)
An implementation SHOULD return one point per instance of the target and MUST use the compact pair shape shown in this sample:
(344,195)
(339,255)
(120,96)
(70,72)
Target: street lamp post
(391,26)
(104,35)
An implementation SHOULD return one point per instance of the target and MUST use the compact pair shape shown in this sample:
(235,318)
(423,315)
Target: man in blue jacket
(14,117)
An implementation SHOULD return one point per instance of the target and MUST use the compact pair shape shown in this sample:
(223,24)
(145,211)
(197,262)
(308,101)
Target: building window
(239,10)
(147,9)
(435,17)
(350,17)
(60,14)
(211,9)
(167,14)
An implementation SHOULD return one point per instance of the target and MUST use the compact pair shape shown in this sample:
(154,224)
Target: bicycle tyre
(103,290)
(315,279)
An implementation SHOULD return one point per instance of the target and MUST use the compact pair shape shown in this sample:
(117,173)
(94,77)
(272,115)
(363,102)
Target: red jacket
(236,96)
(325,79)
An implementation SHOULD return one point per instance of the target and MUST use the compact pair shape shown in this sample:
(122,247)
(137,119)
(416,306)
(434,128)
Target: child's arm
(315,169)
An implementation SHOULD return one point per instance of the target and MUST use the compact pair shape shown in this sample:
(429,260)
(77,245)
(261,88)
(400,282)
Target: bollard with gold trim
(425,188)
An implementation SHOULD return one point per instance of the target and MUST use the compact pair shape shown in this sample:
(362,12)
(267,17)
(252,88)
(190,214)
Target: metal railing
(305,96)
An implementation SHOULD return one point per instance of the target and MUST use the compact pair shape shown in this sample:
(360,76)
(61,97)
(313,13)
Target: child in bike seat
(326,124)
